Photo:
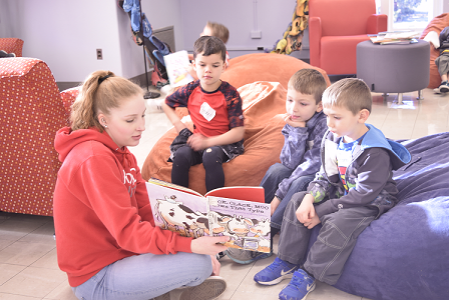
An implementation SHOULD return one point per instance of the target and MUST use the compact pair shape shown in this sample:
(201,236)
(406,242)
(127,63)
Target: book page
(247,223)
(174,186)
(249,193)
(177,68)
(178,211)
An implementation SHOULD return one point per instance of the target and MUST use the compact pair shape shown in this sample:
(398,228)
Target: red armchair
(32,109)
(335,29)
(12,45)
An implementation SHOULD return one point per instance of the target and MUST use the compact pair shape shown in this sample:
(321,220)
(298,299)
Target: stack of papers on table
(394,37)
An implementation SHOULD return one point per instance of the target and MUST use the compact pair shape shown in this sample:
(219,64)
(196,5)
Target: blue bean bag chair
(405,253)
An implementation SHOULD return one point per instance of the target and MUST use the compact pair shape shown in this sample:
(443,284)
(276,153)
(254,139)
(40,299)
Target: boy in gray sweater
(353,187)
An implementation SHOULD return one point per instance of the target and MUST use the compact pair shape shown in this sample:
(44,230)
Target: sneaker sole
(312,288)
(210,289)
(444,89)
(277,280)
(245,262)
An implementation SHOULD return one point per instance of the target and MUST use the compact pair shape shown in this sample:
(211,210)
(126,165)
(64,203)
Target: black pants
(212,159)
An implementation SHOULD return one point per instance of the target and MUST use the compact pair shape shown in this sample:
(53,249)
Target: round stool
(394,68)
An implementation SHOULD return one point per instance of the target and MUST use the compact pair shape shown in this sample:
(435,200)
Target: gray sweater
(301,151)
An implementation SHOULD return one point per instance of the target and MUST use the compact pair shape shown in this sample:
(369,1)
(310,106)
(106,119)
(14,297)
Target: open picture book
(239,212)
(177,68)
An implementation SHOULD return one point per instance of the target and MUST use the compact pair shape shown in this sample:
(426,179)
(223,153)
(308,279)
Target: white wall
(66,34)
(241,17)
(445,6)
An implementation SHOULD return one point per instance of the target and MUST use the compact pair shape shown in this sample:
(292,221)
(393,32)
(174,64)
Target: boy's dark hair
(351,93)
(207,45)
(308,82)
(219,30)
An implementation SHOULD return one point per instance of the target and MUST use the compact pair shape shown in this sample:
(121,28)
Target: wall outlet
(256,34)
(99,54)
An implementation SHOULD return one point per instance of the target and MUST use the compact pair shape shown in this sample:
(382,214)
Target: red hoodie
(101,208)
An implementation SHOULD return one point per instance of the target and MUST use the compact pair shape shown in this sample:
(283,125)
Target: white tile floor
(28,266)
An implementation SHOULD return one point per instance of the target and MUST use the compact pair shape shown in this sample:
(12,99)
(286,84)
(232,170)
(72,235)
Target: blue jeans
(145,276)
(270,182)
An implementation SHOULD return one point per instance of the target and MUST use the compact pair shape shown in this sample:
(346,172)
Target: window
(409,14)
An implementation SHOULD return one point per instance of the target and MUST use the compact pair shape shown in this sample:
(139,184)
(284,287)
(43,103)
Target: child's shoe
(244,256)
(220,255)
(210,289)
(276,272)
(444,87)
(299,287)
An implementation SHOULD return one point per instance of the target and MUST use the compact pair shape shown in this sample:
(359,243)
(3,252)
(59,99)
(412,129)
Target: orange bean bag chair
(437,24)
(263,109)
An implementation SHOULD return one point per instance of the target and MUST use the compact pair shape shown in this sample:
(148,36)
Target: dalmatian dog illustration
(180,217)
(238,228)
(218,222)
(262,230)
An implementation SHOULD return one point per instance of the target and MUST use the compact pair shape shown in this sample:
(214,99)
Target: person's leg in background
(185,157)
(213,159)
(298,185)
(270,182)
(442,63)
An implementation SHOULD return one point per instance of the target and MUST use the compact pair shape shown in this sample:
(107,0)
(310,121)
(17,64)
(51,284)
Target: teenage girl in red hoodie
(105,235)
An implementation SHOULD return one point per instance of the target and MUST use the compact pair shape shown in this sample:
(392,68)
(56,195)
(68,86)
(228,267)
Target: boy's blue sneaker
(299,287)
(276,272)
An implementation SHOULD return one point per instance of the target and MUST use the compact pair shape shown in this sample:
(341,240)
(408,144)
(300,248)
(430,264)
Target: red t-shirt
(212,113)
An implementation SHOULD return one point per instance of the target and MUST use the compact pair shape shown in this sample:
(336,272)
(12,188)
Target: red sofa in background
(12,45)
(335,29)
(32,109)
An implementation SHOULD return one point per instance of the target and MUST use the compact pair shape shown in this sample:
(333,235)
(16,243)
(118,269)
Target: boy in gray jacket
(300,155)
(353,187)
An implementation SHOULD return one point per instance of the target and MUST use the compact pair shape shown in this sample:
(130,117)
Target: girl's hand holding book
(210,245)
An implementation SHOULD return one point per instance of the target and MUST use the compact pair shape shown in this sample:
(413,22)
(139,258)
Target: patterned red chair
(32,110)
(12,45)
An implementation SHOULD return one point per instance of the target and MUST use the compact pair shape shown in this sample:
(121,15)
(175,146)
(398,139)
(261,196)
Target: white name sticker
(207,112)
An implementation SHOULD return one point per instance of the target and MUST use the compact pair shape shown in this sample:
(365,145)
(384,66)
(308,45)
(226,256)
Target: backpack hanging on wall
(155,49)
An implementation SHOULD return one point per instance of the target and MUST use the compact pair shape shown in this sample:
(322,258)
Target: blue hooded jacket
(369,174)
